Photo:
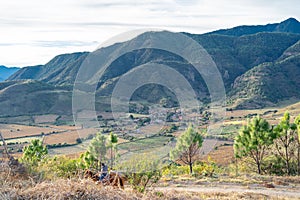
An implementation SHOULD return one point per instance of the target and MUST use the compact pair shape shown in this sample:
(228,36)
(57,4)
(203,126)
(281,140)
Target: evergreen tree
(254,140)
(97,149)
(34,153)
(297,122)
(112,141)
(285,140)
(87,161)
(187,147)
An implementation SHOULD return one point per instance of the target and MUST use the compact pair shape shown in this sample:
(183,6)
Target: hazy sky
(34,31)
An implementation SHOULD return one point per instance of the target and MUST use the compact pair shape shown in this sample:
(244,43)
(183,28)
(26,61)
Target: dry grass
(223,155)
(58,134)
(14,130)
(45,119)
(87,189)
(34,187)
(151,129)
(66,127)
(68,137)
(273,118)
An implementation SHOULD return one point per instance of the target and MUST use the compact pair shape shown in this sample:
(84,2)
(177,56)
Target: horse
(113,178)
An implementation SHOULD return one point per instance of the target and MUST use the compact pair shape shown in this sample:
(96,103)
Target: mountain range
(6,72)
(290,25)
(260,66)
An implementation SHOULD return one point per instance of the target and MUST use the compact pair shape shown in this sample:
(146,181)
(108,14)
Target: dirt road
(290,191)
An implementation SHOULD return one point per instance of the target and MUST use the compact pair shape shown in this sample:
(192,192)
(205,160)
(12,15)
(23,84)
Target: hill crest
(290,25)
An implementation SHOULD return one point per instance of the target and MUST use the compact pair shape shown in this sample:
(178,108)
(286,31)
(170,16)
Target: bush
(274,165)
(176,170)
(208,168)
(60,166)
(142,171)
(33,154)
(78,141)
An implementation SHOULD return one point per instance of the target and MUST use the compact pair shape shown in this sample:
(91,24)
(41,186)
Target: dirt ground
(267,190)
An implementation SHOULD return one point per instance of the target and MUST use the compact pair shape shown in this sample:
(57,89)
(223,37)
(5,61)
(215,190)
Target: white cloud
(33,31)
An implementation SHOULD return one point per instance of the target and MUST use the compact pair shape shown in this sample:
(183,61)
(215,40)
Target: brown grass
(87,189)
(14,130)
(45,119)
(63,134)
(151,129)
(34,187)
(68,137)
(223,156)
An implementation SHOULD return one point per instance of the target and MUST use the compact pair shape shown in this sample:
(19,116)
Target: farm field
(273,113)
(125,148)
(223,155)
(70,150)
(67,134)
(10,131)
(22,140)
(155,145)
(39,119)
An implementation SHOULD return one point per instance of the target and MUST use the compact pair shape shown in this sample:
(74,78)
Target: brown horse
(113,178)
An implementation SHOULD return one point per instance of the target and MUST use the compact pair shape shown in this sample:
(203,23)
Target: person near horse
(104,171)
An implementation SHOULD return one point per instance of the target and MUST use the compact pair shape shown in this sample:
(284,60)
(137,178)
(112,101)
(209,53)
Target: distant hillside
(5,72)
(33,97)
(271,82)
(290,25)
(259,68)
(60,70)
(236,55)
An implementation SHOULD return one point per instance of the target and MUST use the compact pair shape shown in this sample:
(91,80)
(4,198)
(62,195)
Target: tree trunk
(111,158)
(287,160)
(258,167)
(236,167)
(191,167)
(298,158)
(5,146)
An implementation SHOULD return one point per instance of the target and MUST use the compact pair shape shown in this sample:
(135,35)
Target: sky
(34,31)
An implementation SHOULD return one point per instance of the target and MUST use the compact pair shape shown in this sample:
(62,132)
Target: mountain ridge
(51,71)
(248,64)
(5,72)
(290,25)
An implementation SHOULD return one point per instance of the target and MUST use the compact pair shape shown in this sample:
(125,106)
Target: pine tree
(97,148)
(285,140)
(87,161)
(297,122)
(254,140)
(34,153)
(187,147)
(112,141)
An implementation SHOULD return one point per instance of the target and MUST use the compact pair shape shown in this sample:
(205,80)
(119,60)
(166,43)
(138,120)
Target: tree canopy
(187,147)
(254,140)
(34,152)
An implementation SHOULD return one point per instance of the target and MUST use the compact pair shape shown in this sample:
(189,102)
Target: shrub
(175,170)
(33,154)
(208,168)
(78,141)
(60,166)
(142,171)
